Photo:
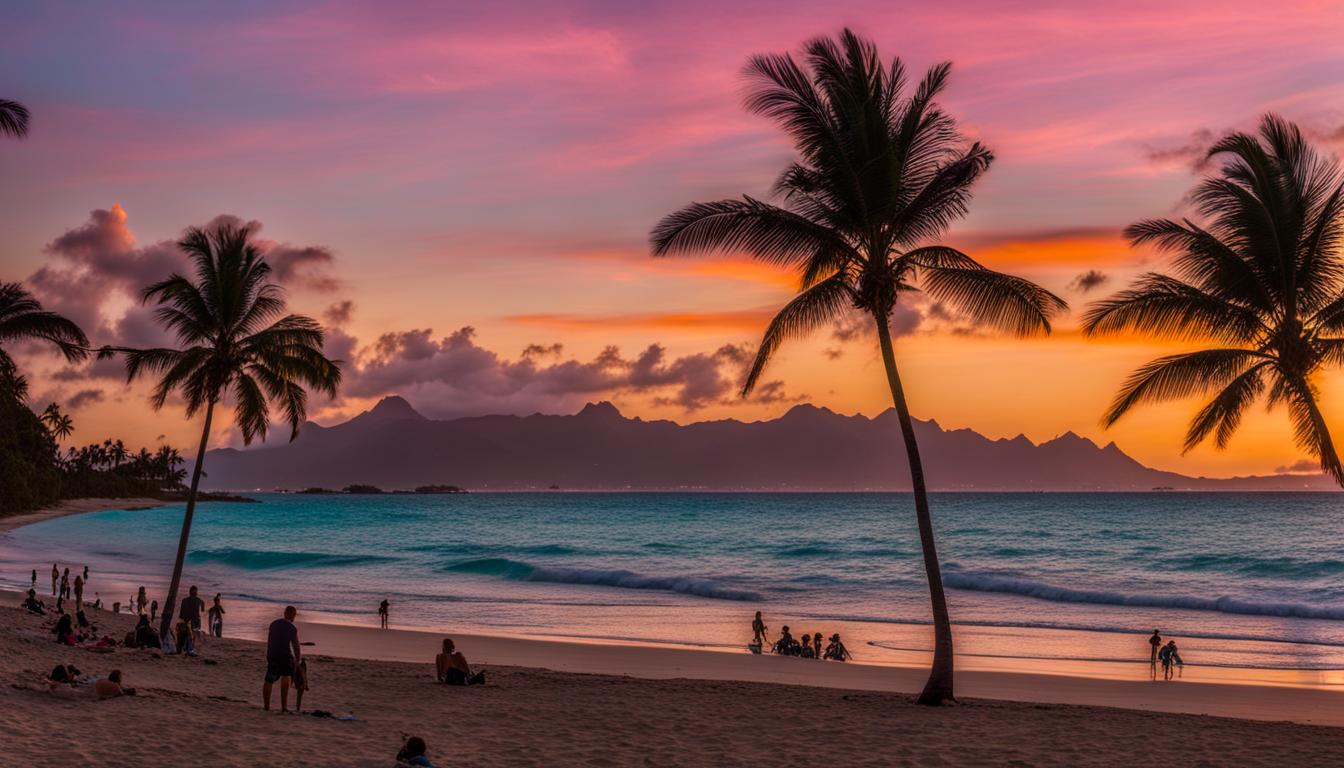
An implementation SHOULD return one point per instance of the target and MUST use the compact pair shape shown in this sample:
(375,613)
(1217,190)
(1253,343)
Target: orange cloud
(1082,246)
(743,320)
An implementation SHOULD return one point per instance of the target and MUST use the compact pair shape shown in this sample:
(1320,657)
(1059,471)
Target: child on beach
(300,684)
(216,617)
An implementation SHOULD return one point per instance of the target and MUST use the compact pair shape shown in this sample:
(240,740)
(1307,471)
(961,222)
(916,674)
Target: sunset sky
(463,192)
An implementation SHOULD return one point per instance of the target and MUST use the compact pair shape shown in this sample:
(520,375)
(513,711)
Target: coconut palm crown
(1260,279)
(881,172)
(236,343)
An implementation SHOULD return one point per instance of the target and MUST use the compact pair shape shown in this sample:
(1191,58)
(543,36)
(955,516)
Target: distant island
(359,489)
(808,448)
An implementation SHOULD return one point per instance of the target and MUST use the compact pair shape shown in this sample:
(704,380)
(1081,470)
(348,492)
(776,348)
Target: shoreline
(76,507)
(529,715)
(1241,692)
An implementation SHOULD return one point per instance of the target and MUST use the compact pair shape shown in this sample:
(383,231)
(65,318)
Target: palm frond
(1223,414)
(1178,376)
(806,312)
(1165,307)
(1003,302)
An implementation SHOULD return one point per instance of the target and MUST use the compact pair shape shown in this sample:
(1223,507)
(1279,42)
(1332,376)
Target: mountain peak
(600,410)
(394,407)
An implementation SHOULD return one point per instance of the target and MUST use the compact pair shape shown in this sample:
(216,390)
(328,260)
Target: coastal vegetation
(1262,280)
(236,341)
(29,476)
(881,173)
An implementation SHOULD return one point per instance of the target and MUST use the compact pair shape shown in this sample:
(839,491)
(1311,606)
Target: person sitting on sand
(413,753)
(451,667)
(145,636)
(34,605)
(65,630)
(836,650)
(816,644)
(805,650)
(111,686)
(282,653)
(786,645)
(97,602)
(216,617)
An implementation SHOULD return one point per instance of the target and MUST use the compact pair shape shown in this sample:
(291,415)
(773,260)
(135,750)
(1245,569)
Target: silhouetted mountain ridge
(807,448)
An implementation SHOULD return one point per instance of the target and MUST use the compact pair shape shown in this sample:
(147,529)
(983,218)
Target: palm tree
(62,427)
(1260,279)
(235,343)
(880,173)
(23,319)
(13,119)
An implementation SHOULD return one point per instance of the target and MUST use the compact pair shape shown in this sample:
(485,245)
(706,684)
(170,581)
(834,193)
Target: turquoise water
(1243,579)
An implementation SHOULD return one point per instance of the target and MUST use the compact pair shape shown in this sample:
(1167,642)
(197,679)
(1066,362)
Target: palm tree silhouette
(1261,279)
(234,342)
(23,319)
(13,119)
(60,425)
(880,173)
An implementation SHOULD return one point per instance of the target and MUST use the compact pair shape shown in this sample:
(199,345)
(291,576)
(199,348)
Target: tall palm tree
(234,343)
(13,119)
(880,173)
(1262,279)
(23,319)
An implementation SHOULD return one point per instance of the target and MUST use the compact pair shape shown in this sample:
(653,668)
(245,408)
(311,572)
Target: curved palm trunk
(166,623)
(938,689)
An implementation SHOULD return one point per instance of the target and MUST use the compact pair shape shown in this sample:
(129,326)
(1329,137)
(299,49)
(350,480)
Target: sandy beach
(661,707)
(75,507)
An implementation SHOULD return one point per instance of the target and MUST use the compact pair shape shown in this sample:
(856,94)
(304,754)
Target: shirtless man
(1156,642)
(451,666)
(282,654)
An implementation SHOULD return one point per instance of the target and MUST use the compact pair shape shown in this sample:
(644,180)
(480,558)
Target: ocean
(1043,581)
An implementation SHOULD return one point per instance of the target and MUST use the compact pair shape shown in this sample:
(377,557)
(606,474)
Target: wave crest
(260,560)
(521,571)
(989,582)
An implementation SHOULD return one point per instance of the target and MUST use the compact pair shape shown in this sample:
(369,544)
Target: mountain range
(808,448)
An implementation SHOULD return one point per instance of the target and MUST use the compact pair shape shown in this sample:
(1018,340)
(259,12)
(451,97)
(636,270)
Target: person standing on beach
(191,609)
(140,600)
(216,617)
(282,653)
(759,632)
(153,610)
(79,592)
(55,577)
(86,574)
(34,578)
(382,613)
(65,584)
(1156,642)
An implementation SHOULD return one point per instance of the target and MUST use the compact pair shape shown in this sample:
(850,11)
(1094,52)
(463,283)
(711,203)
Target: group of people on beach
(806,646)
(1167,655)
